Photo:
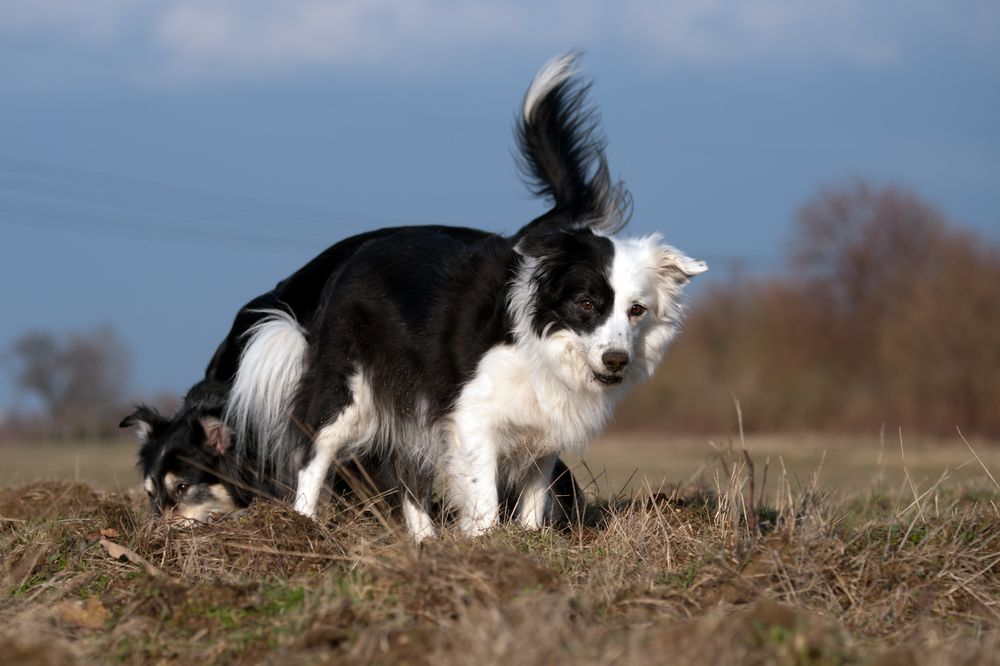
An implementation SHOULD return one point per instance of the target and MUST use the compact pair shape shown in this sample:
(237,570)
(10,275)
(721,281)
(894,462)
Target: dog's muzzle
(615,361)
(608,380)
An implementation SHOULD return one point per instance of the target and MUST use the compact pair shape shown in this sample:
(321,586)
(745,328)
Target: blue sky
(162,163)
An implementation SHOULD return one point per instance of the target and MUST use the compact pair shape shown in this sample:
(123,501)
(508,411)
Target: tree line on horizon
(885,314)
(74,384)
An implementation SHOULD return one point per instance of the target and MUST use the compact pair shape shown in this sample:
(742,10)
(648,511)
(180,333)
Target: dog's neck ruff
(572,407)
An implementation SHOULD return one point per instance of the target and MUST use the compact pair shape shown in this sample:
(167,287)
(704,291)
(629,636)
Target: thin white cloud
(233,35)
(721,30)
(85,20)
(193,39)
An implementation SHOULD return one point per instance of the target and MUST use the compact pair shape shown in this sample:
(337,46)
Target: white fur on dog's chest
(530,413)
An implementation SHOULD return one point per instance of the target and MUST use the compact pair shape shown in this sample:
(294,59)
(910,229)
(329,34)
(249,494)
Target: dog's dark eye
(636,310)
(181,488)
(587,304)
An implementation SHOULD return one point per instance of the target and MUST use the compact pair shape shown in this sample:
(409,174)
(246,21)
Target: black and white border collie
(471,366)
(189,468)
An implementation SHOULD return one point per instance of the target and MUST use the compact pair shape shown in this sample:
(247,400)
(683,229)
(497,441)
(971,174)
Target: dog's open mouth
(608,380)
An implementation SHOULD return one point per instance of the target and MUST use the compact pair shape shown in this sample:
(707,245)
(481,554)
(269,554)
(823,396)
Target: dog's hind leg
(328,444)
(415,484)
(417,517)
(534,497)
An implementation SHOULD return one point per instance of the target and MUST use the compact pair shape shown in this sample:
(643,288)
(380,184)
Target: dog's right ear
(148,422)
(678,266)
(218,436)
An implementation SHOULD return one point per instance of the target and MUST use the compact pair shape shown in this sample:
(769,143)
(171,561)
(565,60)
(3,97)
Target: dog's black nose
(615,360)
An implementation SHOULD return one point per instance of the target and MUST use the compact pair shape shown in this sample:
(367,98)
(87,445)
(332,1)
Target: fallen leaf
(91,615)
(23,567)
(104,533)
(123,554)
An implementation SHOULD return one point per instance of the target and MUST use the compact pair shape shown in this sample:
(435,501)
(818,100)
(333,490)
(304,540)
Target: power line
(112,228)
(42,196)
(116,184)
(64,199)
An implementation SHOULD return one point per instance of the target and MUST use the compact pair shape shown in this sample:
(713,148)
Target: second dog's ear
(148,422)
(218,436)
(679,266)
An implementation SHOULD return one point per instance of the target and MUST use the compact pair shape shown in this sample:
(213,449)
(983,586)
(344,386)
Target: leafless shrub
(886,314)
(80,381)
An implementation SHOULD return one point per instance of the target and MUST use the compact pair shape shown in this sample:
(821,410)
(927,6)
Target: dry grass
(618,460)
(710,575)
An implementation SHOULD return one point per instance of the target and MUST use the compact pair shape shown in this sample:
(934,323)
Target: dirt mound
(90,577)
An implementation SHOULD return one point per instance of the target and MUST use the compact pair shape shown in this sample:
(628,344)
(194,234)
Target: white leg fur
(471,480)
(310,484)
(329,442)
(418,520)
(534,495)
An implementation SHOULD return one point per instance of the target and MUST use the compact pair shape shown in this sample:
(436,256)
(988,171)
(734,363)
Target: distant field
(613,464)
(846,463)
(105,465)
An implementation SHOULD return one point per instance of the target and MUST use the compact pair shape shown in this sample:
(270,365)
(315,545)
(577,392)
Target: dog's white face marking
(149,486)
(640,320)
(206,503)
(635,294)
(170,483)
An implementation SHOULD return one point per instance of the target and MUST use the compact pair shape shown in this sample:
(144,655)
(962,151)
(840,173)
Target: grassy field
(878,555)
(613,464)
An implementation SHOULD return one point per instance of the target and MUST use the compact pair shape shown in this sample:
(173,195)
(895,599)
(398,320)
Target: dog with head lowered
(469,365)
(190,468)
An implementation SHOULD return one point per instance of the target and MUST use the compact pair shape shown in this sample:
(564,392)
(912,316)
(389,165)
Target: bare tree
(860,245)
(888,314)
(37,353)
(79,381)
(912,304)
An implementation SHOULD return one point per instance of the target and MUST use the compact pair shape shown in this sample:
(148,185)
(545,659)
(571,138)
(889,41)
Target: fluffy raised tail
(260,401)
(562,154)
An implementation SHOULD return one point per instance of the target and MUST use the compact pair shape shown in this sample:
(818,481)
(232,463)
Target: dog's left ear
(540,244)
(678,266)
(149,423)
(218,436)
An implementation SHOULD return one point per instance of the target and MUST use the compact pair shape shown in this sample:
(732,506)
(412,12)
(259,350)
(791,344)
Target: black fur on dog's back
(301,293)
(178,444)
